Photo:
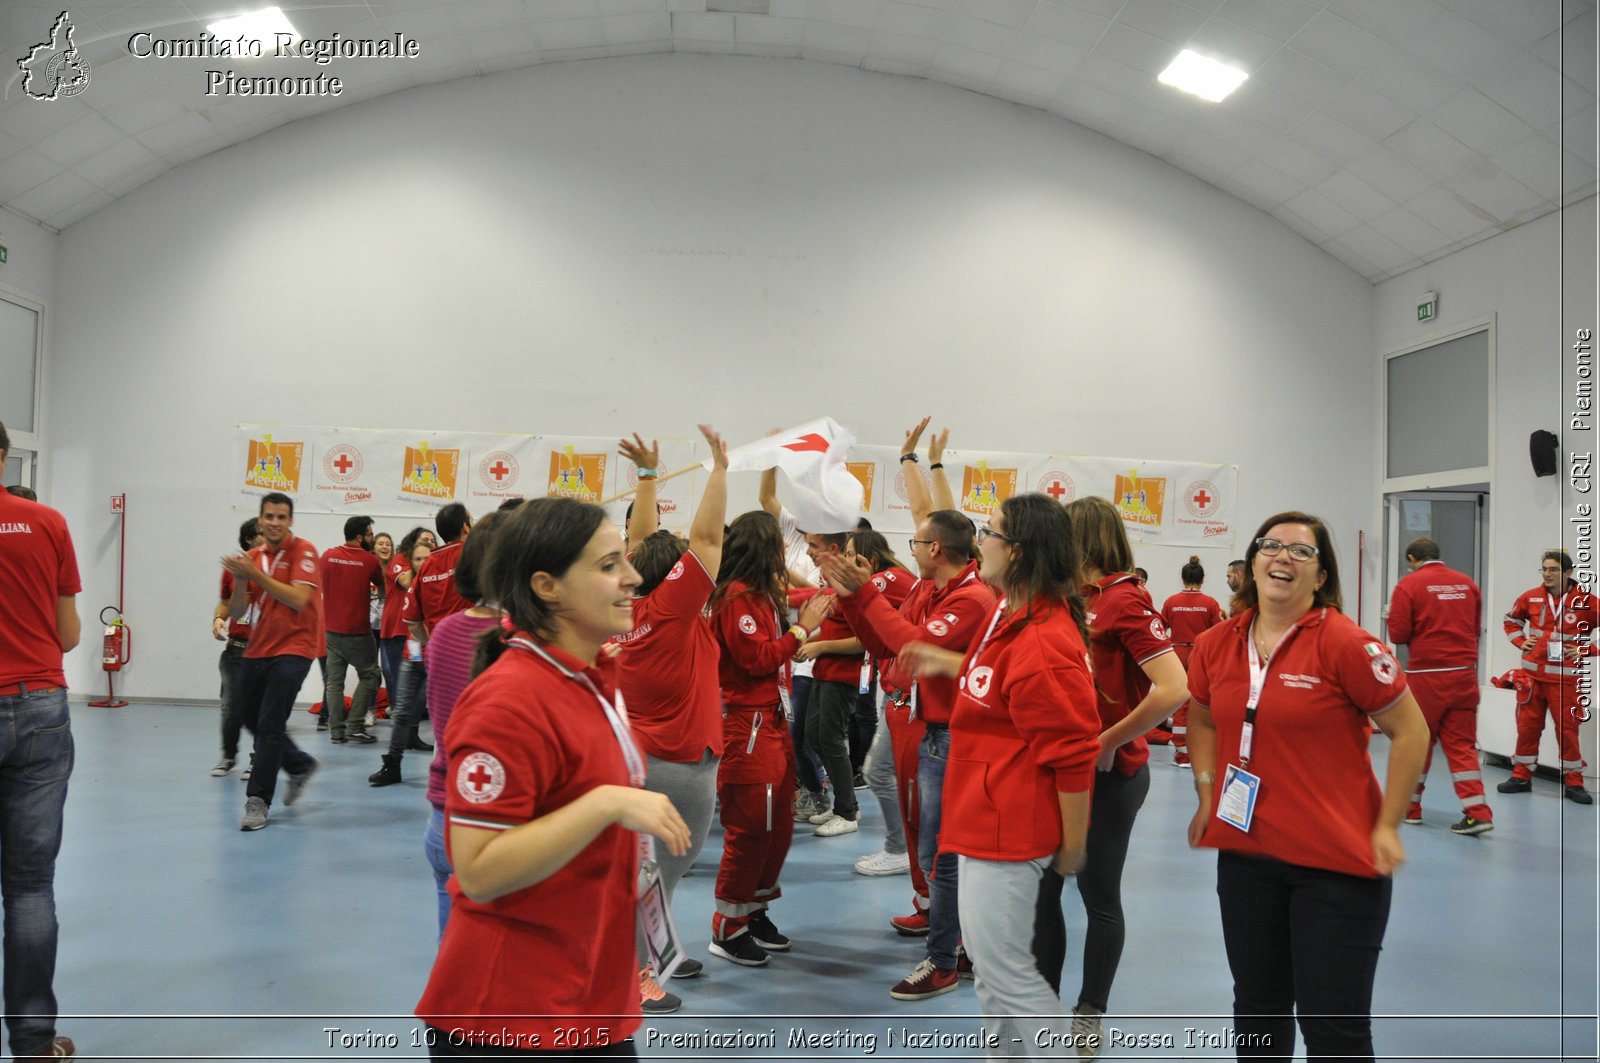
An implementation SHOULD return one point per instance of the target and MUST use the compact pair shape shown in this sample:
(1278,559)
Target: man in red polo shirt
(349,572)
(38,624)
(279,579)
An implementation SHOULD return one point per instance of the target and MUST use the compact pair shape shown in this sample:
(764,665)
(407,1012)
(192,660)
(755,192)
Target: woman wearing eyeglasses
(1023,743)
(1281,697)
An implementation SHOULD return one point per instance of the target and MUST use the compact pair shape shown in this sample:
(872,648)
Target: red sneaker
(911,926)
(1413,813)
(926,981)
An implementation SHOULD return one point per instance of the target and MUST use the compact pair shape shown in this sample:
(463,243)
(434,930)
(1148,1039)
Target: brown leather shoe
(60,1048)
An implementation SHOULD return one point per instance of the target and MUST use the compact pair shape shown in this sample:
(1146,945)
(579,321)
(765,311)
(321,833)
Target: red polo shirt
(433,591)
(1125,631)
(394,602)
(279,630)
(1434,611)
(1319,799)
(240,628)
(668,667)
(348,574)
(526,740)
(37,567)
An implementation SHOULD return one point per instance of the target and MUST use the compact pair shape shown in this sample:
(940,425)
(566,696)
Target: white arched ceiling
(1388,132)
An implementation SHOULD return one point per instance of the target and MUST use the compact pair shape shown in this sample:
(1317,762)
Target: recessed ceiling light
(262,26)
(1206,78)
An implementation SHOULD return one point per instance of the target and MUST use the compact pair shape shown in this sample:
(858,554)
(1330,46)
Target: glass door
(1454,520)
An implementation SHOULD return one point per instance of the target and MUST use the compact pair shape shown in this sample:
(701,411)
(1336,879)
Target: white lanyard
(616,714)
(994,622)
(1557,608)
(1258,681)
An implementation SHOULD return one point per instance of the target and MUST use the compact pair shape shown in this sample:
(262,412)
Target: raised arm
(916,490)
(647,460)
(705,532)
(943,497)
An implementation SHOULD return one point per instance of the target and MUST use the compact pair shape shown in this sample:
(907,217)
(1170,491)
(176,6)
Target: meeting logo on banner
(1141,500)
(984,488)
(273,465)
(430,473)
(867,473)
(575,475)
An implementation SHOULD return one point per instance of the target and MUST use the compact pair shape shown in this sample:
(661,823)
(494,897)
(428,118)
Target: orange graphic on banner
(274,465)
(866,472)
(1140,499)
(984,488)
(430,473)
(574,475)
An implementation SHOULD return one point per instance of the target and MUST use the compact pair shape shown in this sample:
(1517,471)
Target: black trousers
(1302,942)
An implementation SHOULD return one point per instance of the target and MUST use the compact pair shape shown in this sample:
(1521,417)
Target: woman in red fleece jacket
(1024,736)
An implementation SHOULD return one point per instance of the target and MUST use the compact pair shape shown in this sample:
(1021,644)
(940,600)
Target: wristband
(912,457)
(1204,778)
(936,465)
(799,632)
(646,474)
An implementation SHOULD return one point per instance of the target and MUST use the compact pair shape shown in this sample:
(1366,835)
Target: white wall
(1538,283)
(643,243)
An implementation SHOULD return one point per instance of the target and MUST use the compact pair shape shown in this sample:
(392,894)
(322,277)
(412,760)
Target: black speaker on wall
(1542,447)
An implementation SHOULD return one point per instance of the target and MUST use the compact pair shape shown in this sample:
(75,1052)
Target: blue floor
(183,938)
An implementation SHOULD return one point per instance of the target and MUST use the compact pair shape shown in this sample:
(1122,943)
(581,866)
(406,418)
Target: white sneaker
(836,826)
(884,862)
(822,816)
(1086,1030)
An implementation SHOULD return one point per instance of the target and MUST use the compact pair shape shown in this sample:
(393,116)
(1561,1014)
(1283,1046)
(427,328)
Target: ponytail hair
(1193,572)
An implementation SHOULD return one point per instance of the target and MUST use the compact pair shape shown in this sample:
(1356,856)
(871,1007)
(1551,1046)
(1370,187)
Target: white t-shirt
(795,556)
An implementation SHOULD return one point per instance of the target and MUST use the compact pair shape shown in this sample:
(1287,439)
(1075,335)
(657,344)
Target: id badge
(1553,651)
(865,686)
(655,919)
(783,701)
(1240,789)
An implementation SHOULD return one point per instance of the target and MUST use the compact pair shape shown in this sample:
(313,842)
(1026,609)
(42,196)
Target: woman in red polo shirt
(757,773)
(1139,682)
(1282,697)
(543,795)
(1023,744)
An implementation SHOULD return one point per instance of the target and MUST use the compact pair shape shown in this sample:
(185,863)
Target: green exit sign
(1429,307)
(2,253)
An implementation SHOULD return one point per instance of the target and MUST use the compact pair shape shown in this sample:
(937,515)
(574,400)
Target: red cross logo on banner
(1059,486)
(499,470)
(343,463)
(1202,499)
(481,778)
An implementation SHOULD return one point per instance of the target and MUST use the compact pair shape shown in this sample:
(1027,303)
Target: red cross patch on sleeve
(481,778)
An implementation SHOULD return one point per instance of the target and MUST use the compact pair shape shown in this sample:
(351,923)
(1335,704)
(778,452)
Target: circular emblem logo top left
(342,463)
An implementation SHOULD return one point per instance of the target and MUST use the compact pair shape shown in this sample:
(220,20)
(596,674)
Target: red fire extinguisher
(118,649)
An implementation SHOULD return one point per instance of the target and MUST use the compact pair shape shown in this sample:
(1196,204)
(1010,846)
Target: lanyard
(616,714)
(1557,608)
(994,622)
(1258,681)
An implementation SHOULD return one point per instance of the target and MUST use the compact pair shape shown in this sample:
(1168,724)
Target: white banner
(394,472)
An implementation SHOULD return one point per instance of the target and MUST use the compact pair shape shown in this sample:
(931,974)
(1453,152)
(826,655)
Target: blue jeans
(35,763)
(944,914)
(390,652)
(439,860)
(269,686)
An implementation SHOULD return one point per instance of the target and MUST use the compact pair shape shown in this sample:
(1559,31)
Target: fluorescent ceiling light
(1206,78)
(261,26)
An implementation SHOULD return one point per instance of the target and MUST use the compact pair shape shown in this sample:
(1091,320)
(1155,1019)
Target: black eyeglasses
(912,543)
(1298,551)
(987,532)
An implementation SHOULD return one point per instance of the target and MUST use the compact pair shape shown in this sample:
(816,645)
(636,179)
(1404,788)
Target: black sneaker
(339,740)
(361,736)
(741,949)
(688,968)
(322,721)
(1578,795)
(765,934)
(653,1000)
(1468,825)
(1515,785)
